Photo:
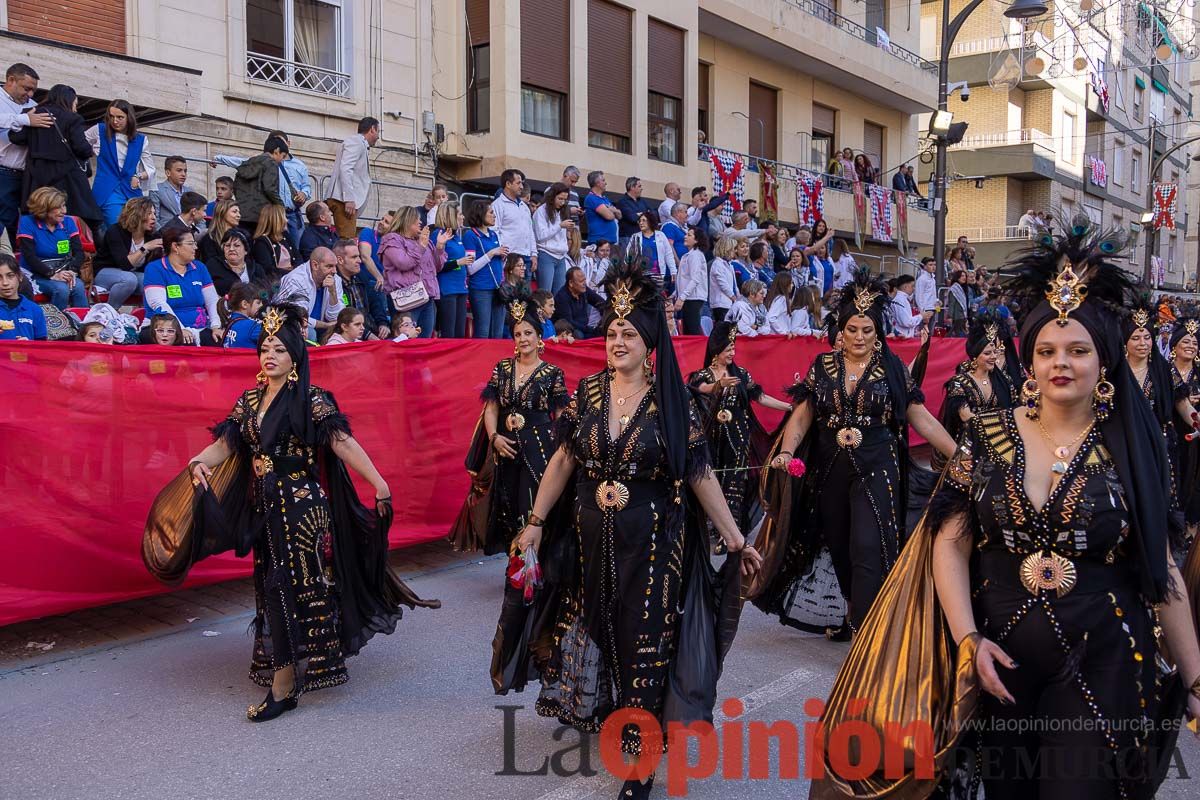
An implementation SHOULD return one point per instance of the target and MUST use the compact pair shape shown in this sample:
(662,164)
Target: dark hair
(701,238)
(62,96)
(130,119)
(169,318)
(548,200)
(651,217)
(279,134)
(238,294)
(275,143)
(236,233)
(563,326)
(313,212)
(507,176)
(342,244)
(476,213)
(8,261)
(749,200)
(511,262)
(172,161)
(171,236)
(541,296)
(572,271)
(927,259)
(901,280)
(19,70)
(756,251)
(86,328)
(224,180)
(956,274)
(699,190)
(366,123)
(190,201)
(344,317)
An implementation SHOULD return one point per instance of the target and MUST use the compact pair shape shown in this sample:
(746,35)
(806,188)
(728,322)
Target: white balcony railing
(1005,138)
(994,233)
(277,71)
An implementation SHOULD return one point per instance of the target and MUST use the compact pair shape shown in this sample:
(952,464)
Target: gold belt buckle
(515,421)
(849,438)
(262,465)
(1048,571)
(724,415)
(612,495)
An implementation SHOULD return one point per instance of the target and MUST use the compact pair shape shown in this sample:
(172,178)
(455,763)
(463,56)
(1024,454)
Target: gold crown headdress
(1141,318)
(273,321)
(622,300)
(864,298)
(1066,293)
(516,309)
(1191,326)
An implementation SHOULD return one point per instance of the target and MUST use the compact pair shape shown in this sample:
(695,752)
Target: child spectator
(404,328)
(348,327)
(93,332)
(164,329)
(20,317)
(748,312)
(239,315)
(224,191)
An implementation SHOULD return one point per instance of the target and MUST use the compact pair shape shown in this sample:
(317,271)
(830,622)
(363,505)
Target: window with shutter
(824,119)
(873,145)
(664,44)
(764,121)
(702,90)
(545,66)
(610,76)
(479,66)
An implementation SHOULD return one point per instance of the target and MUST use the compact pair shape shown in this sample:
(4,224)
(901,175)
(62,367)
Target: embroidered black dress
(615,636)
(730,427)
(526,416)
(853,498)
(962,391)
(297,613)
(1186,455)
(1088,654)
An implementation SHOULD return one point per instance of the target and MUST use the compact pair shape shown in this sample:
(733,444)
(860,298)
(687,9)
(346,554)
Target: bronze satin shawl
(171,542)
(470,529)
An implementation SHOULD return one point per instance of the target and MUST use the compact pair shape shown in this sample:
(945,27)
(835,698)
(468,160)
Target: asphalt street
(165,717)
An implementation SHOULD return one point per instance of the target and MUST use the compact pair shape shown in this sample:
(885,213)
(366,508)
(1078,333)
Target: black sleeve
(308,243)
(75,261)
(113,249)
(29,258)
(75,135)
(595,299)
(262,254)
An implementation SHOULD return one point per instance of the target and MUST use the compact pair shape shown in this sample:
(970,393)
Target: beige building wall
(734,39)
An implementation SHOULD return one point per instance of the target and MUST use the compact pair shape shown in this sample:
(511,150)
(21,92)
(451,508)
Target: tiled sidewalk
(23,645)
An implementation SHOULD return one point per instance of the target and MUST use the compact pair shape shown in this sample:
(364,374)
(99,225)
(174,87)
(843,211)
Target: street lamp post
(1020,9)
(1152,234)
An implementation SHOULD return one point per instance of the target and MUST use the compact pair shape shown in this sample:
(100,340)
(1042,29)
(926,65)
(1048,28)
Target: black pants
(691,317)
(719,314)
(452,316)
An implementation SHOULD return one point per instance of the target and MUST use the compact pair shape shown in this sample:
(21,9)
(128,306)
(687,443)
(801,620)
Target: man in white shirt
(570,177)
(316,287)
(905,322)
(926,295)
(514,222)
(666,208)
(350,183)
(1028,223)
(16,112)
(741,227)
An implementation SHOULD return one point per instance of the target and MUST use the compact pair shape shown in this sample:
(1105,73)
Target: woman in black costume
(520,401)
(979,384)
(850,425)
(274,482)
(632,470)
(1152,372)
(731,425)
(1048,545)
(1185,380)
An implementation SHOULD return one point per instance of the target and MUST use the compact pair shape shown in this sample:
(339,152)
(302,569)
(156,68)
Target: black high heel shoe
(633,789)
(271,708)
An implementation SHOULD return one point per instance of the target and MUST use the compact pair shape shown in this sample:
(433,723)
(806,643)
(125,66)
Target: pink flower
(796,468)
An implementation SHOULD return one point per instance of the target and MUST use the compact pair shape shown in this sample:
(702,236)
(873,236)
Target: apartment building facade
(211,77)
(630,88)
(1065,119)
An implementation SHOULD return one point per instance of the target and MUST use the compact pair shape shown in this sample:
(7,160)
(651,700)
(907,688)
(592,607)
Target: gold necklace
(1061,452)
(624,419)
(520,380)
(850,376)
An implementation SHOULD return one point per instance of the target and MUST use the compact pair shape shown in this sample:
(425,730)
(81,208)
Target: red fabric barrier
(90,433)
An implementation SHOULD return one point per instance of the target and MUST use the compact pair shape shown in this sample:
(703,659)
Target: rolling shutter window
(873,144)
(610,68)
(479,22)
(665,59)
(763,108)
(546,44)
(824,119)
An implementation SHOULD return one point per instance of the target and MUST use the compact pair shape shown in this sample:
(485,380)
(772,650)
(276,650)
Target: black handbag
(85,166)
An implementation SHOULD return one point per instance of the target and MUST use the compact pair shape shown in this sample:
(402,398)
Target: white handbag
(406,298)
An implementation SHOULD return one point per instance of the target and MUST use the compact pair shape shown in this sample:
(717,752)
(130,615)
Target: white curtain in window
(314,33)
(540,113)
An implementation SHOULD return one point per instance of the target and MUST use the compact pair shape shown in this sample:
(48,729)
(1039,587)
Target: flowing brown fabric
(172,541)
(903,672)
(470,528)
(779,494)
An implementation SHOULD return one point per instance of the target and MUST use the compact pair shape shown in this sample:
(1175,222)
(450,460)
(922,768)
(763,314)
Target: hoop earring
(1102,397)
(973,364)
(648,367)
(261,378)
(541,347)
(878,345)
(611,368)
(293,376)
(516,349)
(1031,396)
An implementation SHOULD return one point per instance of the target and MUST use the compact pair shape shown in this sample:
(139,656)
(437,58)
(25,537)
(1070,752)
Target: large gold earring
(1031,396)
(293,376)
(516,349)
(1102,397)
(261,378)
(611,369)
(648,367)
(541,347)
(878,345)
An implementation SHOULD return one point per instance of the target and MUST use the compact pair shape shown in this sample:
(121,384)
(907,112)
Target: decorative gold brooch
(724,415)
(622,301)
(612,495)
(864,299)
(1048,572)
(516,310)
(272,321)
(1066,293)
(1141,319)
(732,334)
(1191,326)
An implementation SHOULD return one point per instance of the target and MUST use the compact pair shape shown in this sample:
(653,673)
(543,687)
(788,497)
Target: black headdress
(1070,276)
(634,297)
(1141,314)
(292,409)
(1189,326)
(987,328)
(723,334)
(521,308)
(868,297)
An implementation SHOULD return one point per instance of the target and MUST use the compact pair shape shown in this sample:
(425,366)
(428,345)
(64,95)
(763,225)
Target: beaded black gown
(615,635)
(962,391)
(1185,460)
(1057,589)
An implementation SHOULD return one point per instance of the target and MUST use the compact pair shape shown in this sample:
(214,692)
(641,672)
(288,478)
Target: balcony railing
(1004,138)
(994,233)
(1031,40)
(828,15)
(280,72)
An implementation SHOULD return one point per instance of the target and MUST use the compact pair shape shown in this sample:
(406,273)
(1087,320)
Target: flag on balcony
(1100,87)
(902,222)
(1099,171)
(727,176)
(768,191)
(1164,205)
(881,213)
(810,198)
(860,212)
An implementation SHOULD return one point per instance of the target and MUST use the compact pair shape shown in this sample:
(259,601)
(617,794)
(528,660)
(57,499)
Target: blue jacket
(110,177)
(453,277)
(491,275)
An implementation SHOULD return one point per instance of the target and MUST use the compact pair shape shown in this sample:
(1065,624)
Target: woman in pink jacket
(408,256)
